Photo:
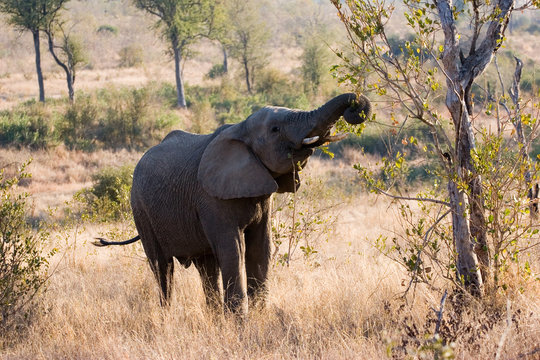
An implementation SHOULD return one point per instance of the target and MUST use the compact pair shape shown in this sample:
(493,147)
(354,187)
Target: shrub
(108,198)
(107,29)
(302,220)
(218,70)
(276,89)
(314,67)
(131,55)
(26,126)
(203,118)
(77,127)
(23,268)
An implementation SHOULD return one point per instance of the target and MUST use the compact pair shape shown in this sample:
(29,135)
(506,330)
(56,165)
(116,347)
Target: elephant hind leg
(208,268)
(163,269)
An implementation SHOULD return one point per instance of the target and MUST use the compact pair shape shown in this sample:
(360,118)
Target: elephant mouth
(316,140)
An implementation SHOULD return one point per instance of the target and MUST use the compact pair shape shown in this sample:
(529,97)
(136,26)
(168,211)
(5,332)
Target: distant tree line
(236,25)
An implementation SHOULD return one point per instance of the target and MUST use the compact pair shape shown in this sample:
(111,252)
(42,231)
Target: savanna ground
(341,302)
(338,298)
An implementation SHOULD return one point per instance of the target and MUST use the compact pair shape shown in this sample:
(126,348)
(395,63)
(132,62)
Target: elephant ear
(230,170)
(288,183)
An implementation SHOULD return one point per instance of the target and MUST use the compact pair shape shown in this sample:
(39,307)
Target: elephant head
(262,154)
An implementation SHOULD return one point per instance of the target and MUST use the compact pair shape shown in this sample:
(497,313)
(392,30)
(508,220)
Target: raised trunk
(180,94)
(317,123)
(355,110)
(35,35)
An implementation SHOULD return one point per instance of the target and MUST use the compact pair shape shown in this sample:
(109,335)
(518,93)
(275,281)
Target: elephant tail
(103,242)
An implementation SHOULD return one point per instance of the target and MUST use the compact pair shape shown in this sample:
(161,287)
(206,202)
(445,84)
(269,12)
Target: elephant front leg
(257,261)
(232,263)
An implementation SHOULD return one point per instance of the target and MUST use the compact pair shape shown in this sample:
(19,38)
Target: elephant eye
(275,129)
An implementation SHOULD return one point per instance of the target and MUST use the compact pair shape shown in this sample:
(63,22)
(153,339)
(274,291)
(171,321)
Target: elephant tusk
(337,137)
(309,141)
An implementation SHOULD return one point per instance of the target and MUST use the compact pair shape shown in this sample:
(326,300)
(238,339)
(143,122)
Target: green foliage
(490,180)
(77,127)
(181,22)
(31,15)
(109,198)
(107,29)
(73,48)
(131,56)
(26,126)
(217,71)
(315,58)
(108,118)
(299,225)
(248,38)
(228,104)
(23,267)
(507,205)
(278,90)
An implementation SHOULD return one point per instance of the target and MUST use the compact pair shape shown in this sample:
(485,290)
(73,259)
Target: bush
(27,126)
(114,118)
(77,127)
(277,89)
(109,198)
(107,29)
(131,55)
(23,268)
(218,70)
(315,58)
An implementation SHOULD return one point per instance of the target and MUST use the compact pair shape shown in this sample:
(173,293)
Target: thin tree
(67,52)
(182,23)
(248,39)
(458,42)
(32,16)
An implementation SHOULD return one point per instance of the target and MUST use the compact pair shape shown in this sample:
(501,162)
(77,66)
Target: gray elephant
(205,199)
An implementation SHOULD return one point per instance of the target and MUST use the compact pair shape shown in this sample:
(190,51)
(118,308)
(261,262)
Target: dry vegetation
(342,302)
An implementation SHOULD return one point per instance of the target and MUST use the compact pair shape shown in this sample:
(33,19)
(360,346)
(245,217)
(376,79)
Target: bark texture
(465,188)
(35,35)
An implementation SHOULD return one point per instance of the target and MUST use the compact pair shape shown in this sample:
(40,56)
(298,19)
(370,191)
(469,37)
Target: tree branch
(435,201)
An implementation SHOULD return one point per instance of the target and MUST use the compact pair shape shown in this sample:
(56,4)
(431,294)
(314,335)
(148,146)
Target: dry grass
(58,173)
(103,303)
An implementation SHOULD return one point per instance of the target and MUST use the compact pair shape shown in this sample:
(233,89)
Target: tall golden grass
(102,303)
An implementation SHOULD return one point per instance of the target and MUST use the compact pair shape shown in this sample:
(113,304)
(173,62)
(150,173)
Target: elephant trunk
(354,109)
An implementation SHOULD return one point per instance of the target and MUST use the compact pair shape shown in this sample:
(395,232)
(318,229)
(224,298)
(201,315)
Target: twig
(411,198)
(506,330)
(422,248)
(440,314)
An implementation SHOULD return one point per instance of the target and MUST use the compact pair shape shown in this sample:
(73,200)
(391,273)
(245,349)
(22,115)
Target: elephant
(206,199)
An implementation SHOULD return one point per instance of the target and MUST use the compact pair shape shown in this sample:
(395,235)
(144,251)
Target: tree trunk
(460,73)
(35,35)
(70,76)
(246,70)
(180,94)
(523,143)
(467,262)
(225,59)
